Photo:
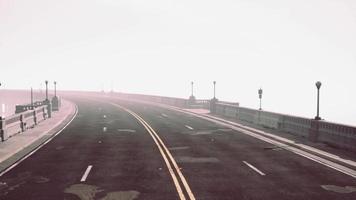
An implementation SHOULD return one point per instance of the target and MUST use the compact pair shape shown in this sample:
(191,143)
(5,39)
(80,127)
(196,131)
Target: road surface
(117,150)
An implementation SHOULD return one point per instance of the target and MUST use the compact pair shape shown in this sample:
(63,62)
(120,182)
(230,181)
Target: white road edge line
(189,127)
(36,149)
(86,173)
(254,168)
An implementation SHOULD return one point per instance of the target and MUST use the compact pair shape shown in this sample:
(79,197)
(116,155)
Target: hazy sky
(159,46)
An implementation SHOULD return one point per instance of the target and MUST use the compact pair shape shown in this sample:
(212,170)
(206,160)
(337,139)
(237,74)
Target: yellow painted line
(158,141)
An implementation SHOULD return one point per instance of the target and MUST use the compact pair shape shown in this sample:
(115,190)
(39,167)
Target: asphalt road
(145,152)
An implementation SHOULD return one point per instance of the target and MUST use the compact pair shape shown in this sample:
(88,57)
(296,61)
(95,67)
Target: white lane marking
(127,130)
(254,168)
(104,116)
(36,149)
(164,115)
(105,129)
(189,127)
(86,173)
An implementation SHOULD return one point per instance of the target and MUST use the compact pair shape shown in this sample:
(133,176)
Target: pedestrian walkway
(19,145)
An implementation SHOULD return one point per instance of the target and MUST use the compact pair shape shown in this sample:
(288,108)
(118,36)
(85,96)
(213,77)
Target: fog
(160,46)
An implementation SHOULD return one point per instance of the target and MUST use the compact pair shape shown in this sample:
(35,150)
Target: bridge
(132,146)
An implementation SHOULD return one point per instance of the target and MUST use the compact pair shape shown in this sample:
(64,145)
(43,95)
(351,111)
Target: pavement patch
(178,148)
(121,195)
(11,184)
(186,159)
(339,189)
(88,192)
(83,191)
(59,147)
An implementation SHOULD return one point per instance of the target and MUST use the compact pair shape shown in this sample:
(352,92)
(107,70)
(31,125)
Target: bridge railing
(339,135)
(20,122)
(334,134)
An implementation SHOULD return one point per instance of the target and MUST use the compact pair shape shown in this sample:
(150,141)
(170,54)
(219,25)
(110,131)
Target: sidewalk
(298,141)
(19,145)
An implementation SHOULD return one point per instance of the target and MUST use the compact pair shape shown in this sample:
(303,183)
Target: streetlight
(214,82)
(260,96)
(46,82)
(31,98)
(318,85)
(55,88)
(192,83)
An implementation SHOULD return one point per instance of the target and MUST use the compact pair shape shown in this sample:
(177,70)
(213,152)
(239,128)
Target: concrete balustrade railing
(338,135)
(20,122)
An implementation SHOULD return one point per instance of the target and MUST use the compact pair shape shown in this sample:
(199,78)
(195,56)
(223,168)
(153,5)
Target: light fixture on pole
(318,85)
(260,91)
(46,82)
(214,82)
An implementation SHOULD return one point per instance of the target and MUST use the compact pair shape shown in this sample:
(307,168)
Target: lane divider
(189,127)
(167,157)
(86,173)
(254,168)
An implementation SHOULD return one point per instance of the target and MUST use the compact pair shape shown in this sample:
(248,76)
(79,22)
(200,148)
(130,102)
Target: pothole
(339,189)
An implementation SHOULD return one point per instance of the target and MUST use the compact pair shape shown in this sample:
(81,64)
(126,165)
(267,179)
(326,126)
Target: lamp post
(260,97)
(55,88)
(214,82)
(318,85)
(46,82)
(31,98)
(192,83)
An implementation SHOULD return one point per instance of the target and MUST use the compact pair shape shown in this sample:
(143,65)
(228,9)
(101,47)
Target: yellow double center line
(168,158)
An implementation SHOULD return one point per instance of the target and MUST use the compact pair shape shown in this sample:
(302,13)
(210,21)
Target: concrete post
(44,113)
(49,109)
(35,116)
(213,105)
(3,129)
(23,123)
(314,131)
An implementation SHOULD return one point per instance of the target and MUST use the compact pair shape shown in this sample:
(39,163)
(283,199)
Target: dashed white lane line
(189,127)
(86,173)
(164,115)
(254,168)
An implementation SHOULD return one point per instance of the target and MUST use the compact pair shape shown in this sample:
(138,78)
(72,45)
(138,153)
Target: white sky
(159,46)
